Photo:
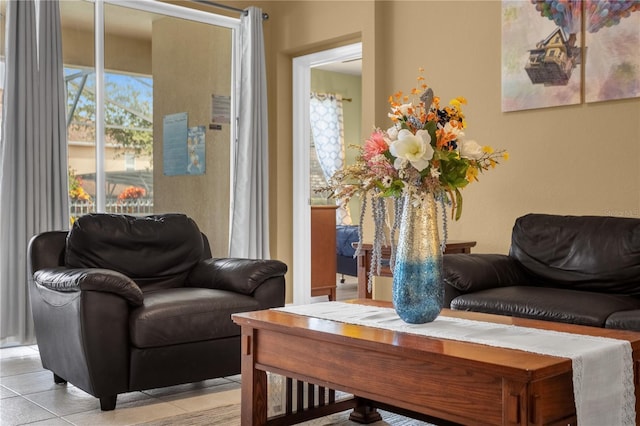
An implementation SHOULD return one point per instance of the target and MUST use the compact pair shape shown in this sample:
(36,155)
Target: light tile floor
(28,394)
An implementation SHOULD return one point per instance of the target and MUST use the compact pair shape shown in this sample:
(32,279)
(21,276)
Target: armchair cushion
(625,320)
(238,275)
(154,251)
(69,280)
(551,304)
(183,315)
(592,253)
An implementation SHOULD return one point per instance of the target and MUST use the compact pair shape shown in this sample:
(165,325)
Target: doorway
(301,169)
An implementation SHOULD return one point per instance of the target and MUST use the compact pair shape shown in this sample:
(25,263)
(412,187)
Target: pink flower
(375,145)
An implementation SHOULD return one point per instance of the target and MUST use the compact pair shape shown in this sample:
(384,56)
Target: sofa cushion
(625,320)
(593,253)
(155,251)
(182,315)
(550,304)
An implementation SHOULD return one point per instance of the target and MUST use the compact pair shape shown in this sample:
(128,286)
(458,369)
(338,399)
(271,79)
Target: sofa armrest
(238,275)
(271,293)
(469,273)
(89,279)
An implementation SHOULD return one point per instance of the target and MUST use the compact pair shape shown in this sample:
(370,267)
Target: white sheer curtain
(33,154)
(249,236)
(328,137)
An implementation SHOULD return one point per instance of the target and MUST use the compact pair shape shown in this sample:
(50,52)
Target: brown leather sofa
(123,303)
(573,269)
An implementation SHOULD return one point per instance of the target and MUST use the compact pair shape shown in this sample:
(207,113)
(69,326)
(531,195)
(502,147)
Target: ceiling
(352,67)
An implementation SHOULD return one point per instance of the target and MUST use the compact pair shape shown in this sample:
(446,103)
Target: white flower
(435,172)
(404,109)
(379,158)
(470,149)
(400,111)
(392,133)
(416,148)
(387,181)
(448,128)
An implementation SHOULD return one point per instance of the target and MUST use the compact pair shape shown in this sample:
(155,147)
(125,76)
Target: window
(110,82)
(128,152)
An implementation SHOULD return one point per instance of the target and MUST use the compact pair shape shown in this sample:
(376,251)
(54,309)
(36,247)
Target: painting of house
(541,60)
(553,60)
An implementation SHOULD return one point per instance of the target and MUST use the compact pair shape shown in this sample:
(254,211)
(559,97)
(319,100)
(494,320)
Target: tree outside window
(128,136)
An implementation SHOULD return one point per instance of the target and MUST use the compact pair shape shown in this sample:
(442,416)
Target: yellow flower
(472,174)
(505,155)
(457,102)
(487,149)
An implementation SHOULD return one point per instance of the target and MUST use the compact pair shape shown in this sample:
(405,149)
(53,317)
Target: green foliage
(453,169)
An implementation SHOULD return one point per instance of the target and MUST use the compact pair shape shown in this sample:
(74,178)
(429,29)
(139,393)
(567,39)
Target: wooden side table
(364,262)
(323,251)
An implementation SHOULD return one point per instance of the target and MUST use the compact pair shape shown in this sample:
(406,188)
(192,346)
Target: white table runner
(602,368)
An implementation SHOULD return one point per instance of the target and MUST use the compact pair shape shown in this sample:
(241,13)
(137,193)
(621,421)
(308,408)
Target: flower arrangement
(131,192)
(424,151)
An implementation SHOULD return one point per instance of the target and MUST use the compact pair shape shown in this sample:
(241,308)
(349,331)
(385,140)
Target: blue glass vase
(418,290)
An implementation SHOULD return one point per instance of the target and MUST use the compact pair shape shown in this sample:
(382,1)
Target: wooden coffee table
(425,377)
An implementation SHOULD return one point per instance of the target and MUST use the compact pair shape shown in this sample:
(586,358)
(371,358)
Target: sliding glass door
(131,66)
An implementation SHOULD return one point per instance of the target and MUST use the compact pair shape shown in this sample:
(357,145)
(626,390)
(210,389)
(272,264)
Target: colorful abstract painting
(612,50)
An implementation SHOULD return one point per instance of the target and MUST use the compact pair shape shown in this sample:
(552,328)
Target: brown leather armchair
(123,303)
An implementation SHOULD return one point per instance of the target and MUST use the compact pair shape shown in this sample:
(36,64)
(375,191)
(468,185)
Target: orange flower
(131,192)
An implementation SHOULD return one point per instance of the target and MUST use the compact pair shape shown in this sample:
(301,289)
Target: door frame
(301,170)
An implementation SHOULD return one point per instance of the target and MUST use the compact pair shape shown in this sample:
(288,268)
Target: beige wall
(295,29)
(582,159)
(183,81)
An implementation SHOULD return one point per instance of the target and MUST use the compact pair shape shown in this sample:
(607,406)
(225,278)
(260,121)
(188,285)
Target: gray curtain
(33,154)
(250,215)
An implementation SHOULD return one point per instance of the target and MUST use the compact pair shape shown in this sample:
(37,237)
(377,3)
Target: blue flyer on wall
(196,150)
(174,135)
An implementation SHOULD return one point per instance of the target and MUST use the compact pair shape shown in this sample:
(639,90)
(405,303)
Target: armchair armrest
(239,275)
(89,279)
(469,273)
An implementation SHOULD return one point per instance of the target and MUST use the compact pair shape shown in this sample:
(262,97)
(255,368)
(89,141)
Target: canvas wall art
(541,57)
(612,50)
(546,51)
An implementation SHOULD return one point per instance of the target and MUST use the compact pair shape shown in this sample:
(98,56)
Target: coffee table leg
(253,409)
(364,413)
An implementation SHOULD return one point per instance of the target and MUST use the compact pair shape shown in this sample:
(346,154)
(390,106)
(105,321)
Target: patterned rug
(229,415)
